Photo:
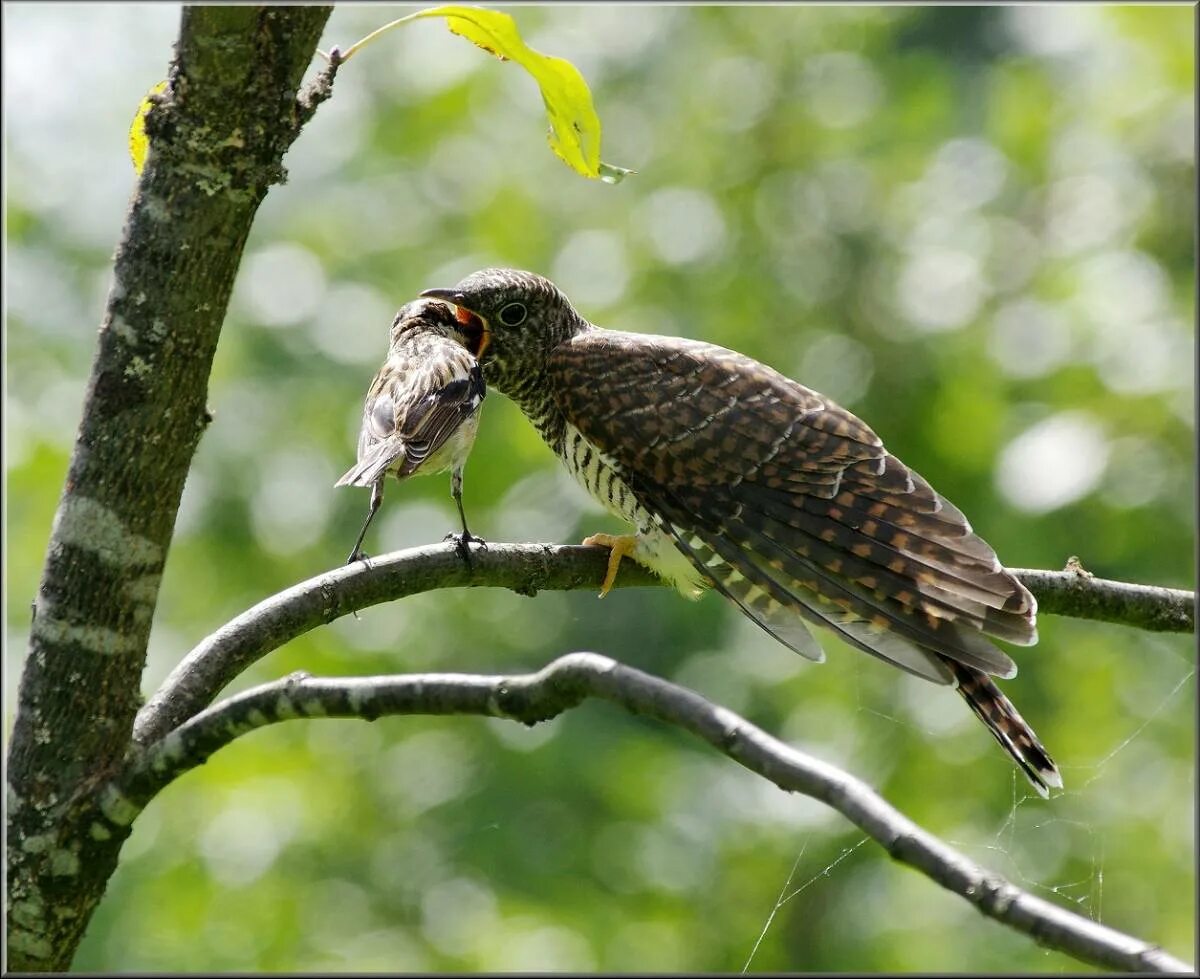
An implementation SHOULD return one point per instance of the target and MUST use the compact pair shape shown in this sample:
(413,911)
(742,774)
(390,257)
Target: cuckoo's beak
(474,325)
(445,295)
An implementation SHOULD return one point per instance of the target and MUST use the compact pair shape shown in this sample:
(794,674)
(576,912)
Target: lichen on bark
(218,136)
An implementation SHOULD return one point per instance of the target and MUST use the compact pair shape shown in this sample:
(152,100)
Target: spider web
(788,892)
(1084,895)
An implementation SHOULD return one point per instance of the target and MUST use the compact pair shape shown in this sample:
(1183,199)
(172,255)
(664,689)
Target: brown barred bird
(741,479)
(422,409)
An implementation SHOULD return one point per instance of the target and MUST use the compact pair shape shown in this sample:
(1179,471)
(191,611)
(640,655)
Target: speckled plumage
(422,409)
(786,503)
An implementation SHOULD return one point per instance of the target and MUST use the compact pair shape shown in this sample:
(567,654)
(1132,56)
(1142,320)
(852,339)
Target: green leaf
(139,142)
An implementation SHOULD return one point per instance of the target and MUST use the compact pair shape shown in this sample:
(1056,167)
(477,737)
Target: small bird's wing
(791,504)
(416,402)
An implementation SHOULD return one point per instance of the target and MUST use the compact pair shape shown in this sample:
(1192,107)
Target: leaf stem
(363,42)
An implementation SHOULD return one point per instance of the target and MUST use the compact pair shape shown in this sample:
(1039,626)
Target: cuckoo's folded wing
(791,504)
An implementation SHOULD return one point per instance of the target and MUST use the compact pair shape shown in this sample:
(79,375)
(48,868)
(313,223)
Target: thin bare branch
(1081,595)
(565,683)
(528,569)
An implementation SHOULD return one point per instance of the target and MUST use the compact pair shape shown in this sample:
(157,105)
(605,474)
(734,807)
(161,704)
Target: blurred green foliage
(973,226)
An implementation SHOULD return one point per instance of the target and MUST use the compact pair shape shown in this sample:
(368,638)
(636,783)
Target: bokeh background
(972,226)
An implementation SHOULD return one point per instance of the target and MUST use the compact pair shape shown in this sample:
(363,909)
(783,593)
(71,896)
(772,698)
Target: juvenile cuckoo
(422,409)
(738,478)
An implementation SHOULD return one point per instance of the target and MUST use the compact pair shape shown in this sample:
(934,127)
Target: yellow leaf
(574,126)
(139,142)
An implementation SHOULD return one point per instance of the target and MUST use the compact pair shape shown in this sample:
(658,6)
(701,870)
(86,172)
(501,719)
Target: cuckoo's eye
(513,314)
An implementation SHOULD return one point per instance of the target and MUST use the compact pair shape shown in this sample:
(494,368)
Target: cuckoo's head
(519,317)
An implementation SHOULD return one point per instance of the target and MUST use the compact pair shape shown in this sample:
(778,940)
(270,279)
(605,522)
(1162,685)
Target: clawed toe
(619,547)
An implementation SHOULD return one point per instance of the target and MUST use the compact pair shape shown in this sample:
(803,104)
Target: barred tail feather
(1007,726)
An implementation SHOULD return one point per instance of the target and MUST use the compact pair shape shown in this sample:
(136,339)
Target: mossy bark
(217,138)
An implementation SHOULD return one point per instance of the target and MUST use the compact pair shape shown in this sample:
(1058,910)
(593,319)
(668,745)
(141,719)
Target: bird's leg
(462,542)
(376,499)
(619,547)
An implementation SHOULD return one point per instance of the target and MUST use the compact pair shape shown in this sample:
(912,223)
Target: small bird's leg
(619,547)
(376,499)
(462,543)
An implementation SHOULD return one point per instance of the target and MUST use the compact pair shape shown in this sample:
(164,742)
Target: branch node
(317,91)
(994,896)
(1074,564)
(330,606)
(527,702)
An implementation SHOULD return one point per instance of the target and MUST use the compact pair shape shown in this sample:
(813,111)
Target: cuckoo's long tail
(1007,726)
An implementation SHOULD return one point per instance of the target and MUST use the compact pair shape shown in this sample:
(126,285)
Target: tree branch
(523,568)
(527,569)
(1081,595)
(568,681)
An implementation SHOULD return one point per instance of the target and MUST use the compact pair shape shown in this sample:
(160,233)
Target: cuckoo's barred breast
(602,476)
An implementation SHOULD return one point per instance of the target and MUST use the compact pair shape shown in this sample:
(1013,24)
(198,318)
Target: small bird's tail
(1007,726)
(373,465)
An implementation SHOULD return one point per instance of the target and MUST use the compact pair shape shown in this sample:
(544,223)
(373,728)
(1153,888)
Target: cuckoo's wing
(791,504)
(416,402)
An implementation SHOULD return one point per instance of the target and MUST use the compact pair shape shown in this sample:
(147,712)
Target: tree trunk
(217,141)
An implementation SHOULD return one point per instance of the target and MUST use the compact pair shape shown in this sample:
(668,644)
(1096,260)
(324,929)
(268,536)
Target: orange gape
(476,330)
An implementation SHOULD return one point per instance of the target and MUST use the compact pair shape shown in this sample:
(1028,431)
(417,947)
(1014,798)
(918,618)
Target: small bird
(738,478)
(422,409)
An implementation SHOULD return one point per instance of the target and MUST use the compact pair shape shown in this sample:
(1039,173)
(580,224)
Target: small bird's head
(425,316)
(521,317)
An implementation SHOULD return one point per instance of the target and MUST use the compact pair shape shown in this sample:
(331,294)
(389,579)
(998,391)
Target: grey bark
(177,730)
(526,569)
(226,653)
(218,136)
(1082,595)
(568,681)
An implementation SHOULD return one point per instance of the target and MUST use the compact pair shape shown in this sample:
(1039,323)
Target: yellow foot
(619,547)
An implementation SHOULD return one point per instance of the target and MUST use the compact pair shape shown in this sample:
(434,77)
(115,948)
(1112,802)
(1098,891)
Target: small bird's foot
(358,554)
(463,542)
(619,547)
